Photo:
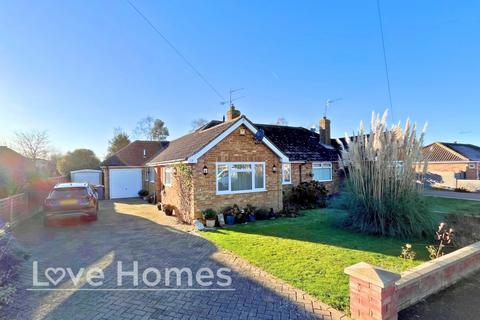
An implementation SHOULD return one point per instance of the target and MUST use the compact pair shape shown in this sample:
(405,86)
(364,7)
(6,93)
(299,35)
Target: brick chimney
(325,131)
(233,113)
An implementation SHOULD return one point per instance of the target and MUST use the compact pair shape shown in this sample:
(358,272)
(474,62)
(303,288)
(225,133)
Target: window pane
(222,177)
(241,167)
(286,168)
(241,181)
(259,174)
(322,174)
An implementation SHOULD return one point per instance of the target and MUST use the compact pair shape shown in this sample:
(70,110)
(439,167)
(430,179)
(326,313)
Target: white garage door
(125,183)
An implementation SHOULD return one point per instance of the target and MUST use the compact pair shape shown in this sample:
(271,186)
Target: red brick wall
(237,148)
(305,169)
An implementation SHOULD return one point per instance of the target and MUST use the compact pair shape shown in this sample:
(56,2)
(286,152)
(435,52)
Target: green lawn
(446,205)
(310,252)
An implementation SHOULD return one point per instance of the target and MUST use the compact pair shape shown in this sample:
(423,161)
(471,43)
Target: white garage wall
(91,176)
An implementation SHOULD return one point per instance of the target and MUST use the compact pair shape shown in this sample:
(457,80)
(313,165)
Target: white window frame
(230,169)
(323,165)
(284,181)
(167,171)
(145,174)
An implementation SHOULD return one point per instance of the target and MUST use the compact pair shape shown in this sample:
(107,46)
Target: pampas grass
(382,194)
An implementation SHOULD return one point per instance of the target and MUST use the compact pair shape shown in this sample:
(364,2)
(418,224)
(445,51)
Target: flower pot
(230,219)
(252,218)
(210,223)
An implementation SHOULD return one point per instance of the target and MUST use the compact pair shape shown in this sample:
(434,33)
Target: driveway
(459,301)
(475,196)
(131,231)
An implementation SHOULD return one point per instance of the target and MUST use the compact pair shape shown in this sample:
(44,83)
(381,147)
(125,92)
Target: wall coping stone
(371,274)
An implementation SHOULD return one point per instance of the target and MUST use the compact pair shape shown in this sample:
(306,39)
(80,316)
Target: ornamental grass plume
(382,194)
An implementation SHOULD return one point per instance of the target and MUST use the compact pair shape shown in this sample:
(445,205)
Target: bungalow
(449,163)
(239,162)
(125,172)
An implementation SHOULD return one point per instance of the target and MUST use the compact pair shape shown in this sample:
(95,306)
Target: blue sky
(81,68)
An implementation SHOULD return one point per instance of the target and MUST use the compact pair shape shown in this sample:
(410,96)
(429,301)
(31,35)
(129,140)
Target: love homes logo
(129,277)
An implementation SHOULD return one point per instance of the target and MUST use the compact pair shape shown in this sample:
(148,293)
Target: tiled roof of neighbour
(189,144)
(461,152)
(298,143)
(133,154)
(11,157)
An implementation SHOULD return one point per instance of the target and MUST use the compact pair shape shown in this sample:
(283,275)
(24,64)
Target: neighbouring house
(15,170)
(239,162)
(453,165)
(125,172)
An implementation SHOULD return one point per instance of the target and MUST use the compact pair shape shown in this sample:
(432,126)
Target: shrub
(11,255)
(168,209)
(209,214)
(311,194)
(383,196)
(262,214)
(143,193)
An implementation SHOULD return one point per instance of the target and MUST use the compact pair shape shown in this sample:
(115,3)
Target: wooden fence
(19,207)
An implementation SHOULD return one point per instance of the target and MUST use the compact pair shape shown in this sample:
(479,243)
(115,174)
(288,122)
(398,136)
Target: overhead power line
(170,44)
(385,57)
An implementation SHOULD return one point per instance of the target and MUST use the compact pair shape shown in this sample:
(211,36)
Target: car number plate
(68,202)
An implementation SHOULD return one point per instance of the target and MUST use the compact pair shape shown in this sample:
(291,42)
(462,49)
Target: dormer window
(144,153)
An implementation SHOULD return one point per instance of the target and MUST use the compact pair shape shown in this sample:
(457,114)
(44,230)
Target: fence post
(11,210)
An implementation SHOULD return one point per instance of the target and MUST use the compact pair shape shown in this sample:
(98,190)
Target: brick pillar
(372,292)
(106,183)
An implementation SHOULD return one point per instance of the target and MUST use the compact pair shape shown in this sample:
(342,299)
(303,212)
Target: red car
(68,200)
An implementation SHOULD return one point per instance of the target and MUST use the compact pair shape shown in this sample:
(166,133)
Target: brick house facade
(238,162)
(453,164)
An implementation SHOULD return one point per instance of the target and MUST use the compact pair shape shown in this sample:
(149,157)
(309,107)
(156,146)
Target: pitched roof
(299,143)
(446,151)
(132,155)
(189,144)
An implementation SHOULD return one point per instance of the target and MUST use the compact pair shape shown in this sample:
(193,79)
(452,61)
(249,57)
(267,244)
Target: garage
(125,183)
(87,175)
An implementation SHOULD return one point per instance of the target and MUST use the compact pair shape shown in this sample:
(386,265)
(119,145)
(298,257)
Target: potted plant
(250,213)
(210,217)
(143,194)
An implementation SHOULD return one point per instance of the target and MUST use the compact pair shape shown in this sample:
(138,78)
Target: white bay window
(240,177)
(322,171)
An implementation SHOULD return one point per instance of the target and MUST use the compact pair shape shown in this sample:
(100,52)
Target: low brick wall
(376,293)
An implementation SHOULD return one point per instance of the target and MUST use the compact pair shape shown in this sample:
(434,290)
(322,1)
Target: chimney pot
(233,113)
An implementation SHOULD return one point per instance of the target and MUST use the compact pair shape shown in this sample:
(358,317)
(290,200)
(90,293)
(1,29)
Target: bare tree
(197,123)
(32,144)
(281,121)
(151,129)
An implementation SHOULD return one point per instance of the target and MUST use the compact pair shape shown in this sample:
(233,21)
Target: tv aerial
(232,98)
(328,104)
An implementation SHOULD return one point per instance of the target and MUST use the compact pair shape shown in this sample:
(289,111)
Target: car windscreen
(66,193)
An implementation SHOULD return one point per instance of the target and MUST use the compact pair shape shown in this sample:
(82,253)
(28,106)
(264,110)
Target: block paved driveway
(130,231)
